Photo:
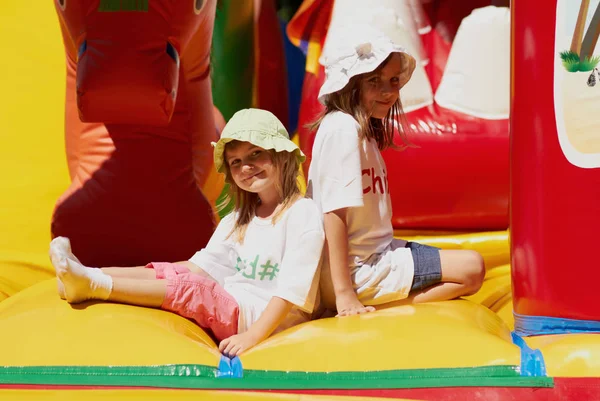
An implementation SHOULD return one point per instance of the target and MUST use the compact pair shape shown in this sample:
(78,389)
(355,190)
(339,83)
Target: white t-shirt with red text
(349,172)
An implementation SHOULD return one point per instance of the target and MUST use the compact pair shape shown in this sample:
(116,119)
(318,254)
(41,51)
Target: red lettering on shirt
(366,172)
(379,183)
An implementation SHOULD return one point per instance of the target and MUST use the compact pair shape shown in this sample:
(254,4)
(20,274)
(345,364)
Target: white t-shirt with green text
(280,260)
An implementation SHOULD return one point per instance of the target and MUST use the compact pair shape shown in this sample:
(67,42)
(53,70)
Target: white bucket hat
(358,50)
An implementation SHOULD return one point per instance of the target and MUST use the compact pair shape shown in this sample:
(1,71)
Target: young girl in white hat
(364,265)
(258,273)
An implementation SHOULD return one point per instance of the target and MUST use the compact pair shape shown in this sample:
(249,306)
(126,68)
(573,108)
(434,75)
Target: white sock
(77,283)
(61,288)
(62,246)
(82,283)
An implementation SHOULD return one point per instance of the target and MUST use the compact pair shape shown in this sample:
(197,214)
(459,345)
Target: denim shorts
(428,266)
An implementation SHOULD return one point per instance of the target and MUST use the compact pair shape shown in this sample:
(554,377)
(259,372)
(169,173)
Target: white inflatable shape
(395,18)
(476,80)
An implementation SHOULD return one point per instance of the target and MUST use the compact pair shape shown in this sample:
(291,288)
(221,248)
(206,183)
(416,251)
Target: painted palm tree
(579,27)
(591,36)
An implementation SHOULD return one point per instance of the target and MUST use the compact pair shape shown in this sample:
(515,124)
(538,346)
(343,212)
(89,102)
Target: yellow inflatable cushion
(492,245)
(437,335)
(496,287)
(505,312)
(33,166)
(569,355)
(39,328)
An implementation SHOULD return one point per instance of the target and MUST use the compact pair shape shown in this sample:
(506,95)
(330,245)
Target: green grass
(572,62)
(589,63)
(569,55)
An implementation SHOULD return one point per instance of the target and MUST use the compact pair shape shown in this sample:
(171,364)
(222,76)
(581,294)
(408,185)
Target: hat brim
(258,138)
(339,82)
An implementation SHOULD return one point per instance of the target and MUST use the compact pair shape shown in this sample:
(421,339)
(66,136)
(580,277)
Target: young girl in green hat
(258,273)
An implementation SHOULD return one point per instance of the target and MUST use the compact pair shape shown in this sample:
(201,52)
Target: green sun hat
(260,128)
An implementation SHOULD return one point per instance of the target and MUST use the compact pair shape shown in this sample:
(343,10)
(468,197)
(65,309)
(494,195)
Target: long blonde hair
(347,100)
(245,203)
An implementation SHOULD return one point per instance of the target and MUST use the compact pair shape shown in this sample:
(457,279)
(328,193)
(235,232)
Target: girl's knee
(474,271)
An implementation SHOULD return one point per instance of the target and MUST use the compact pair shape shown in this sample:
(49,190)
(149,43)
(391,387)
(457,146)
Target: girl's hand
(348,305)
(236,344)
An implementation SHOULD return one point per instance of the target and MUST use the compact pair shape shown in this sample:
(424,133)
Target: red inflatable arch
(138,126)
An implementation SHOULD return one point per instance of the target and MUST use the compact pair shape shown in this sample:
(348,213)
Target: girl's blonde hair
(245,203)
(347,100)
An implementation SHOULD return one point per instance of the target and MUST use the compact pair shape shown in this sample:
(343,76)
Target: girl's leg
(150,293)
(61,247)
(462,274)
(139,272)
(195,296)
(82,283)
(78,283)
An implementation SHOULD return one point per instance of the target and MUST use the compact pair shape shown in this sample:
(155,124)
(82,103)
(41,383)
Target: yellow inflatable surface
(102,334)
(96,333)
(33,173)
(493,246)
(569,355)
(392,339)
(45,341)
(33,169)
(114,344)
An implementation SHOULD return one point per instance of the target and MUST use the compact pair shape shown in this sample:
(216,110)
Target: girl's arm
(336,233)
(271,318)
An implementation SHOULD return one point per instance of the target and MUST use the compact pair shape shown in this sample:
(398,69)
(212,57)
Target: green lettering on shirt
(253,265)
(238,264)
(268,270)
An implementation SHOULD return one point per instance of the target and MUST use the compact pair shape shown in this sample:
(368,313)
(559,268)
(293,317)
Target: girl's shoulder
(304,215)
(228,221)
(339,122)
(305,206)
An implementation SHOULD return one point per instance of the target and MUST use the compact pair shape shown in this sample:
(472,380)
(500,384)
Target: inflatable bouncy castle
(455,125)
(105,138)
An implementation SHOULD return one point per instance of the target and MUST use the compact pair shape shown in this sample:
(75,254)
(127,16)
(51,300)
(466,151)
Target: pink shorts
(198,298)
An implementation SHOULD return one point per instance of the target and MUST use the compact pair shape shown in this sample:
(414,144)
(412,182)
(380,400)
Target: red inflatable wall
(457,178)
(555,209)
(139,122)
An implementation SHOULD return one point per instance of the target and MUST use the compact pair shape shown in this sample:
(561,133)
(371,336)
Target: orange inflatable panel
(139,122)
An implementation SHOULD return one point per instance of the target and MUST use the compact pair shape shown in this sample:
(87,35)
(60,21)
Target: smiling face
(380,89)
(251,167)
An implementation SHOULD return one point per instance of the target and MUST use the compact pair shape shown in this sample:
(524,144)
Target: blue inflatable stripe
(532,360)
(82,49)
(539,325)
(236,367)
(304,46)
(172,52)
(230,367)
